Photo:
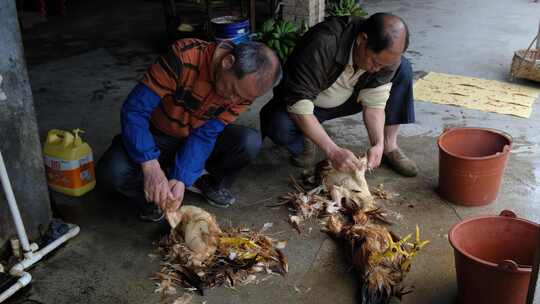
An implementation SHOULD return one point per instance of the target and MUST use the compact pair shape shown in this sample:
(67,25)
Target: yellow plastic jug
(68,162)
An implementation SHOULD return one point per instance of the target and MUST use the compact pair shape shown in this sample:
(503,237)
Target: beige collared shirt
(341,90)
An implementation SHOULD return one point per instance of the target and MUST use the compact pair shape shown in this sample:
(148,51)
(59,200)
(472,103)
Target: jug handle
(55,136)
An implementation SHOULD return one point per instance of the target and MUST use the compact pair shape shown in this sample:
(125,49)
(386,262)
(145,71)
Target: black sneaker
(151,213)
(215,196)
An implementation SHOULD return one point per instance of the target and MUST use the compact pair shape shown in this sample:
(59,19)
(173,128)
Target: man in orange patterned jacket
(177,122)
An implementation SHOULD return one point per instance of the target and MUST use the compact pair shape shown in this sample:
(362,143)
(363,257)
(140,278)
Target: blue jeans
(235,148)
(276,123)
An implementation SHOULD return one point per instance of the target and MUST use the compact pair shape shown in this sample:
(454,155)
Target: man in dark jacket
(341,67)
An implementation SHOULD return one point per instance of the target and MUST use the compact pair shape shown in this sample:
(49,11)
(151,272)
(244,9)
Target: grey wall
(19,141)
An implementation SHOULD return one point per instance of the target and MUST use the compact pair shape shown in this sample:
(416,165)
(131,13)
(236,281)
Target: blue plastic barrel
(235,40)
(235,29)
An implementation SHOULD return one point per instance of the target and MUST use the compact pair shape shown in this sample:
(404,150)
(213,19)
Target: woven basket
(526,63)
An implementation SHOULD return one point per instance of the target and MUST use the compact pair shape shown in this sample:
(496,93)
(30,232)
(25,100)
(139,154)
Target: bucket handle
(508,213)
(508,265)
(506,148)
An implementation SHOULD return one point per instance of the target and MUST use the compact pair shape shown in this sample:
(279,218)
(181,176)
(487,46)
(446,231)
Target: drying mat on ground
(475,93)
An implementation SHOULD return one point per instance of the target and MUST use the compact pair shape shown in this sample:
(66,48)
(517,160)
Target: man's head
(382,39)
(250,70)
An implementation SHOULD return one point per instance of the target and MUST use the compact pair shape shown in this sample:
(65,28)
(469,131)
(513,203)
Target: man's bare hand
(177,189)
(344,160)
(156,185)
(374,156)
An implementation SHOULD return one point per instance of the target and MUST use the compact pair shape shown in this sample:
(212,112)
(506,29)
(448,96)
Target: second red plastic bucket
(494,257)
(471,164)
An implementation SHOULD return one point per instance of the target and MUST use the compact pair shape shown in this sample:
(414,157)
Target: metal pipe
(21,232)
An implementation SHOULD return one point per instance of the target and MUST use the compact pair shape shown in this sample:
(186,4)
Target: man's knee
(112,170)
(108,174)
(251,142)
(279,127)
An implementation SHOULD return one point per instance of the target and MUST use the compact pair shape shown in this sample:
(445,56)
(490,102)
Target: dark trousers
(276,123)
(235,147)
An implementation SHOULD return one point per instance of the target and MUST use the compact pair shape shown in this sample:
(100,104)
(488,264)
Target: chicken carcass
(198,254)
(380,257)
(348,188)
(198,229)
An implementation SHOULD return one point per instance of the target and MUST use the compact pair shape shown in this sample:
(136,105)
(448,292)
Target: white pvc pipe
(34,257)
(31,259)
(24,279)
(21,232)
(31,255)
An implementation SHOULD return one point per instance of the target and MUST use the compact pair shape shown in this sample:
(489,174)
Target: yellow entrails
(242,247)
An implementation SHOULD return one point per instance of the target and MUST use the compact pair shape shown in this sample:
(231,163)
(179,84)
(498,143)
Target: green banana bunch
(345,8)
(280,36)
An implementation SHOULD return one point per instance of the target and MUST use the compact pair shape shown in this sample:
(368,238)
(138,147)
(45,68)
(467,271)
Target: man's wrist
(330,149)
(150,165)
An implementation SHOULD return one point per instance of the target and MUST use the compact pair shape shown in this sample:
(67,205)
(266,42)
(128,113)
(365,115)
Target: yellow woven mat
(476,93)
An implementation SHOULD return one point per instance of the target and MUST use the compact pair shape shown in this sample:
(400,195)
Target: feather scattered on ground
(186,298)
(382,194)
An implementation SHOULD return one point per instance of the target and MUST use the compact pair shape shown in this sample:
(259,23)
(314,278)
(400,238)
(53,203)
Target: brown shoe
(306,159)
(400,163)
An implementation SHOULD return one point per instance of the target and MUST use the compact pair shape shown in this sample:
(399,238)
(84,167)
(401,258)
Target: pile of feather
(350,214)
(198,254)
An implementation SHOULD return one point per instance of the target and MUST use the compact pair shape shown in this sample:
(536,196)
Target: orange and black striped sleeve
(164,75)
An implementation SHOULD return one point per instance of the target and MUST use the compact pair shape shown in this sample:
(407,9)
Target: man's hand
(156,185)
(374,156)
(177,189)
(344,160)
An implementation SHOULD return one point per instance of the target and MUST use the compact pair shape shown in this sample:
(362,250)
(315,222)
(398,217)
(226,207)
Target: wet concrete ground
(108,262)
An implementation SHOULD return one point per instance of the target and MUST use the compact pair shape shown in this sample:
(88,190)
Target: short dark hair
(256,57)
(380,35)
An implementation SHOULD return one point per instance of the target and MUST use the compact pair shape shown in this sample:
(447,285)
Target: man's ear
(228,62)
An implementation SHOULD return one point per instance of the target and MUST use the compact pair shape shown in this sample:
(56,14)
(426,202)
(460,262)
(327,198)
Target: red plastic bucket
(494,257)
(471,164)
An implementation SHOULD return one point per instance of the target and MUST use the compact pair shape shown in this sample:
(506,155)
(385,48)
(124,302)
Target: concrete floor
(81,73)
